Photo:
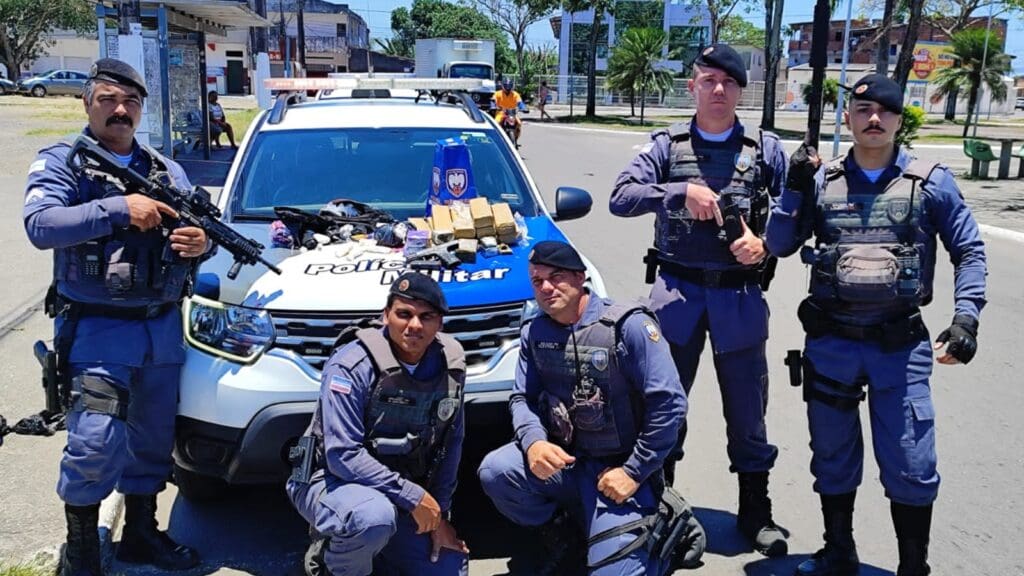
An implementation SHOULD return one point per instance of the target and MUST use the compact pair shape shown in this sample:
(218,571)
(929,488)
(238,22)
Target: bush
(913,119)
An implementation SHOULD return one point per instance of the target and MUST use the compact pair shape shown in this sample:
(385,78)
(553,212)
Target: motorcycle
(507,119)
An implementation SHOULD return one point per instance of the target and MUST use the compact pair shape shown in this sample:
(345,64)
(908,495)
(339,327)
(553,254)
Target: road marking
(1004,233)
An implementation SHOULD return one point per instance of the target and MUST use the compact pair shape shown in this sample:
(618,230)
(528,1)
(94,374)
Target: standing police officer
(875,215)
(388,433)
(596,407)
(119,324)
(710,274)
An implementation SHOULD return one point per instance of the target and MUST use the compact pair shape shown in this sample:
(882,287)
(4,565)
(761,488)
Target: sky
(378,15)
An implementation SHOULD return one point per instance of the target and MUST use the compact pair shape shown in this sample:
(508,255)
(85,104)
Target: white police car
(256,343)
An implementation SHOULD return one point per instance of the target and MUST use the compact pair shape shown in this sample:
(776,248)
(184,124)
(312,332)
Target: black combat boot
(142,543)
(754,518)
(913,526)
(565,548)
(82,552)
(839,556)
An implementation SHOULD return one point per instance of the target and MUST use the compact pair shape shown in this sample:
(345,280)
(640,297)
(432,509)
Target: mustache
(870,128)
(120,119)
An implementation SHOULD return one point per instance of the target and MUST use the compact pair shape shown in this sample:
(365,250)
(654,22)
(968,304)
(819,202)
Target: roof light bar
(438,84)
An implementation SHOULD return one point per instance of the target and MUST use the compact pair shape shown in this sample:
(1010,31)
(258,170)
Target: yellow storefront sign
(929,58)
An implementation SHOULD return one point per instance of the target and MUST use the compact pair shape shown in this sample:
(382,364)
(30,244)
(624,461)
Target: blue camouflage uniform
(360,499)
(620,350)
(736,316)
(910,204)
(128,348)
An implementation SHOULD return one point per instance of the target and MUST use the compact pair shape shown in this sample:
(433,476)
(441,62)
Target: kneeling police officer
(376,471)
(875,215)
(596,406)
(120,272)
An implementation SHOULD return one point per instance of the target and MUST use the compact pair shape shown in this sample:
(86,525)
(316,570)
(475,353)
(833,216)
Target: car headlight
(530,310)
(232,332)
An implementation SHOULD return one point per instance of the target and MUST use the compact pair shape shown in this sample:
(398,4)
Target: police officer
(119,324)
(596,408)
(709,274)
(388,433)
(875,215)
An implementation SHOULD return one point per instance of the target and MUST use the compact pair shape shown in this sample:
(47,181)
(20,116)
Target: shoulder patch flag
(340,384)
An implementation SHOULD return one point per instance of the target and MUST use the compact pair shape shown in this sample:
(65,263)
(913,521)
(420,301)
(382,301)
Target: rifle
(194,208)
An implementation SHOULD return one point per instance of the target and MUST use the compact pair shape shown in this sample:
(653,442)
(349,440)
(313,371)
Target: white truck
(453,58)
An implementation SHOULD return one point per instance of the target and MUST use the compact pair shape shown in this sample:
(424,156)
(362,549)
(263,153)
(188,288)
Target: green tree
(736,30)
(393,47)
(514,17)
(443,19)
(600,8)
(25,24)
(719,12)
(829,93)
(633,65)
(952,16)
(538,61)
(968,75)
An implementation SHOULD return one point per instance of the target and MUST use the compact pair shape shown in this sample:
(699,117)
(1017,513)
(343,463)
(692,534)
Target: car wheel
(198,488)
(39,91)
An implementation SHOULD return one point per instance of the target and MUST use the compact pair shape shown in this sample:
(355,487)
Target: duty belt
(891,334)
(711,278)
(123,312)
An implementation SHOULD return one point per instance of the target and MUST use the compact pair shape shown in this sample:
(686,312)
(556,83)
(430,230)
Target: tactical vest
(406,419)
(584,374)
(736,178)
(869,253)
(128,265)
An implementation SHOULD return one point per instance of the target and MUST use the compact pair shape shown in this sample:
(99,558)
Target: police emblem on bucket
(744,162)
(599,359)
(898,210)
(456,181)
(446,408)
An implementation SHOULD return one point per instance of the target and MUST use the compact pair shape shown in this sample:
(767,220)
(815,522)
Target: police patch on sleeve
(33,195)
(446,408)
(340,384)
(37,166)
(652,331)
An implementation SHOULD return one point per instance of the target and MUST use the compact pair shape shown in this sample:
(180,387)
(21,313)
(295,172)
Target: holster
(302,457)
(890,335)
(651,263)
(56,377)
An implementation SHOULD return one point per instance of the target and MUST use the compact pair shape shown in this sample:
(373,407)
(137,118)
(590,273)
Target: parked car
(69,82)
(1020,104)
(7,87)
(256,343)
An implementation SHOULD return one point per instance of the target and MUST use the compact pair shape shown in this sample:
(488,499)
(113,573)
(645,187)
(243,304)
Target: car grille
(482,331)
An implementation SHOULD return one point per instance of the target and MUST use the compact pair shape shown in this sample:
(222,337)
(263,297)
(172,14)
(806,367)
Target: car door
(58,83)
(76,83)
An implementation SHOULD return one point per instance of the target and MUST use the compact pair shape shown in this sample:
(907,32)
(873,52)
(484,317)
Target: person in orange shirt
(506,99)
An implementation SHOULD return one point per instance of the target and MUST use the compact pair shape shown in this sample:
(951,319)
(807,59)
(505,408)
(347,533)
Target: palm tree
(393,47)
(968,75)
(633,65)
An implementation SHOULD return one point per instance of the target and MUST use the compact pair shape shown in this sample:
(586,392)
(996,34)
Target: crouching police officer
(875,215)
(118,327)
(596,407)
(387,435)
(710,184)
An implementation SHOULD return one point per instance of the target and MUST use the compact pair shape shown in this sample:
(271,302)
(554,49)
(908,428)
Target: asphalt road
(254,531)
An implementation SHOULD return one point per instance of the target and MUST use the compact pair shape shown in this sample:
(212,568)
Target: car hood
(324,280)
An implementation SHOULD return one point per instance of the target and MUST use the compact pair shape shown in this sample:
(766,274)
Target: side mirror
(571,203)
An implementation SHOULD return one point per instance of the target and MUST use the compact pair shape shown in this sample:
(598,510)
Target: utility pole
(128,13)
(129,50)
(842,80)
(300,22)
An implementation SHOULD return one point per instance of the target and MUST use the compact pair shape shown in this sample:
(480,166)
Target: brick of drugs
(441,223)
(481,211)
(466,250)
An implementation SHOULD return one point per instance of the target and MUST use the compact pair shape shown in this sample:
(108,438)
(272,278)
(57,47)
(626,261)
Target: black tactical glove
(803,165)
(961,338)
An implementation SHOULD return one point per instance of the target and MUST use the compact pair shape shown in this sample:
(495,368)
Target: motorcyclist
(507,99)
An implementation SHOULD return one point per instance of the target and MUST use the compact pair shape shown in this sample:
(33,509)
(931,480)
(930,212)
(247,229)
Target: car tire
(199,488)
(39,91)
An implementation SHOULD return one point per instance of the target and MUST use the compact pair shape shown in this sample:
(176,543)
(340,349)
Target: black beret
(417,286)
(118,72)
(879,88)
(723,57)
(557,254)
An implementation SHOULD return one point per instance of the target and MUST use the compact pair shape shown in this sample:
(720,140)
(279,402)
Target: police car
(256,343)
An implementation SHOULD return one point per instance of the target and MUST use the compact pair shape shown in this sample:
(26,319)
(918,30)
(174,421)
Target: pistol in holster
(302,457)
(795,362)
(651,261)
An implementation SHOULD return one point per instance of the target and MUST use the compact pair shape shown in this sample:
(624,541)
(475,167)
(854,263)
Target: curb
(109,525)
(1003,233)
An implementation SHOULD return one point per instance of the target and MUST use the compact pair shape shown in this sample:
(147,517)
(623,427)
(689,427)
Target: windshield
(480,71)
(389,169)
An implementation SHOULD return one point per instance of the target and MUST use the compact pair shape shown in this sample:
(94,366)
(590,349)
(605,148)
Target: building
(864,39)
(331,30)
(687,27)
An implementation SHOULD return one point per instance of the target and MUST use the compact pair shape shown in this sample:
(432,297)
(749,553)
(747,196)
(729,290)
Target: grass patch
(24,570)
(67,116)
(49,132)
(612,122)
(240,119)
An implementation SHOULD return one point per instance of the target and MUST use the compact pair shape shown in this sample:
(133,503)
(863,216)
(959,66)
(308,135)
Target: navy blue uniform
(81,219)
(357,502)
(636,435)
(735,317)
(899,396)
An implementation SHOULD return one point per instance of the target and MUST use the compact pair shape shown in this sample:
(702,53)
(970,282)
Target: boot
(82,552)
(839,556)
(754,518)
(142,543)
(565,548)
(913,526)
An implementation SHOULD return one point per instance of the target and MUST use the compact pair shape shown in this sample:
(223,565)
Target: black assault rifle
(194,207)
